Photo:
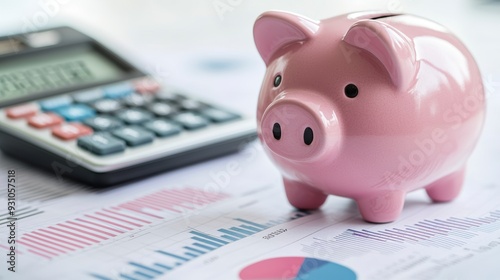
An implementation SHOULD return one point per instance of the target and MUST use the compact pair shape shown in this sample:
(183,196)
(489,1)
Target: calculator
(72,106)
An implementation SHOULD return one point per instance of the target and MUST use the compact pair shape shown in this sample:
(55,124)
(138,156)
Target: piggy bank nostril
(308,136)
(277,131)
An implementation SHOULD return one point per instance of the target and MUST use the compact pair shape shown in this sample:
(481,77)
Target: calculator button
(76,112)
(54,103)
(191,105)
(137,100)
(134,136)
(218,116)
(101,144)
(147,86)
(162,109)
(88,96)
(190,120)
(134,116)
(118,91)
(44,120)
(103,123)
(21,111)
(107,106)
(163,128)
(69,131)
(168,96)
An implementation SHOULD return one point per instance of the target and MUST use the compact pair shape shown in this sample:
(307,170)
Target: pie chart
(297,268)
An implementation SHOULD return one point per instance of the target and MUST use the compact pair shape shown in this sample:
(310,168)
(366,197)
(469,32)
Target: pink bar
(139,204)
(74,234)
(36,248)
(127,216)
(132,208)
(66,237)
(109,222)
(91,228)
(175,200)
(162,204)
(99,225)
(43,245)
(83,231)
(199,197)
(211,197)
(41,255)
(119,219)
(49,242)
(56,239)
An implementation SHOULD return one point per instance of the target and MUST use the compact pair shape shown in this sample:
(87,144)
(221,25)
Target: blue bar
(251,228)
(100,276)
(231,233)
(145,267)
(242,231)
(209,237)
(194,250)
(125,276)
(206,241)
(229,237)
(191,255)
(252,223)
(163,266)
(173,256)
(203,246)
(144,274)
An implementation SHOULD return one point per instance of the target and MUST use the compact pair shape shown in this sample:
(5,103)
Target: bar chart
(197,244)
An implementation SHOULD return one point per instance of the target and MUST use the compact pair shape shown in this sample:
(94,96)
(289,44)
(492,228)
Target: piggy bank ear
(274,30)
(391,47)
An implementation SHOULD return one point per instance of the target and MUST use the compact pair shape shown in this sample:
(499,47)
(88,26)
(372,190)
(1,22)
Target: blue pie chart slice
(296,268)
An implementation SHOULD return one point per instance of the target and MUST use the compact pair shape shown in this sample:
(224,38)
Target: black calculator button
(55,103)
(191,105)
(88,96)
(103,123)
(101,144)
(218,116)
(162,109)
(137,100)
(163,128)
(106,106)
(168,96)
(134,136)
(118,91)
(134,116)
(75,112)
(190,120)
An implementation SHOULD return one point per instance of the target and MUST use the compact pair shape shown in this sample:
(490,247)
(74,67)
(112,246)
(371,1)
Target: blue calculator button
(76,112)
(101,144)
(55,103)
(118,91)
(88,96)
(133,135)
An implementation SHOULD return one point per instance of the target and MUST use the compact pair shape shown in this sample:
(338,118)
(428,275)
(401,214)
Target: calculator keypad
(107,120)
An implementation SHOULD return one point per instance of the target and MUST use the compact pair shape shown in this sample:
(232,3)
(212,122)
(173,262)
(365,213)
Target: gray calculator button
(107,106)
(191,105)
(101,144)
(218,116)
(137,100)
(163,128)
(190,120)
(168,96)
(88,96)
(134,116)
(162,109)
(134,136)
(103,123)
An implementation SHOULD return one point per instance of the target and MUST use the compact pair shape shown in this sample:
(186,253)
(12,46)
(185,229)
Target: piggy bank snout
(300,131)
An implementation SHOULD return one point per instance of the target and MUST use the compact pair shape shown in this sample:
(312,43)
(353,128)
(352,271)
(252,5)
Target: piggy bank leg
(446,188)
(381,207)
(303,196)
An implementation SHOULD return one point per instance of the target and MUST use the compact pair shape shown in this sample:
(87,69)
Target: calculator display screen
(46,71)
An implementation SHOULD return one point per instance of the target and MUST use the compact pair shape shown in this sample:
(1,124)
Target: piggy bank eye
(277,81)
(351,90)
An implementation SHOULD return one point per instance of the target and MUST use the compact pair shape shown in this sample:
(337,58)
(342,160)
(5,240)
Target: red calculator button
(70,131)
(21,111)
(44,120)
(147,86)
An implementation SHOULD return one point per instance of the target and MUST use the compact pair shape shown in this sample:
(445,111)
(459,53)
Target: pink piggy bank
(368,106)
